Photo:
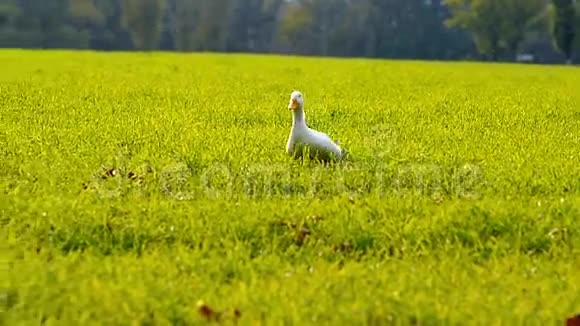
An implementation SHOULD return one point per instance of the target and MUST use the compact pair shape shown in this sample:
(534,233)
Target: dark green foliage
(497,26)
(9,10)
(39,23)
(143,19)
(417,29)
(564,29)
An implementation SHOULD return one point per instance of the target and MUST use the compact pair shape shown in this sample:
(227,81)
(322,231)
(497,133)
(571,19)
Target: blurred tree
(9,10)
(252,25)
(46,24)
(354,35)
(110,34)
(577,34)
(85,12)
(184,16)
(520,17)
(212,25)
(396,29)
(392,25)
(329,15)
(296,27)
(496,25)
(9,13)
(563,26)
(143,20)
(425,29)
(439,41)
(92,17)
(244,25)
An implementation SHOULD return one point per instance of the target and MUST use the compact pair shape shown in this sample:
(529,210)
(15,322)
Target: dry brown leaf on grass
(573,321)
(210,314)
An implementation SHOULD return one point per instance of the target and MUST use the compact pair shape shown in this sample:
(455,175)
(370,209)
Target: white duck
(303,139)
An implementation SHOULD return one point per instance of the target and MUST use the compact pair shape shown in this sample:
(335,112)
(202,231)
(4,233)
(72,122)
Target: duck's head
(296,101)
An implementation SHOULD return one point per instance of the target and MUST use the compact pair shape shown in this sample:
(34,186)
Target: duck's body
(304,140)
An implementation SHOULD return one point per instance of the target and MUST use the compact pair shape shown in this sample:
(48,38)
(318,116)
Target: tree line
(413,29)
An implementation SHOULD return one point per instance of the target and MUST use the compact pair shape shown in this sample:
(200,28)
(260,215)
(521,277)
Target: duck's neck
(298,118)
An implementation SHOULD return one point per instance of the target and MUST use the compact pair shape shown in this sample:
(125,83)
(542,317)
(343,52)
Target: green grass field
(134,186)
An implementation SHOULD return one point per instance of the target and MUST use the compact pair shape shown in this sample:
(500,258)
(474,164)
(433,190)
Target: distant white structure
(525,57)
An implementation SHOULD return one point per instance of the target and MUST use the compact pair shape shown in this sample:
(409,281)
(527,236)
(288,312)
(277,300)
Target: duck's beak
(293,104)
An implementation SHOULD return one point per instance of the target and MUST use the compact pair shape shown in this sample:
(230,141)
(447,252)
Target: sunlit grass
(135,185)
